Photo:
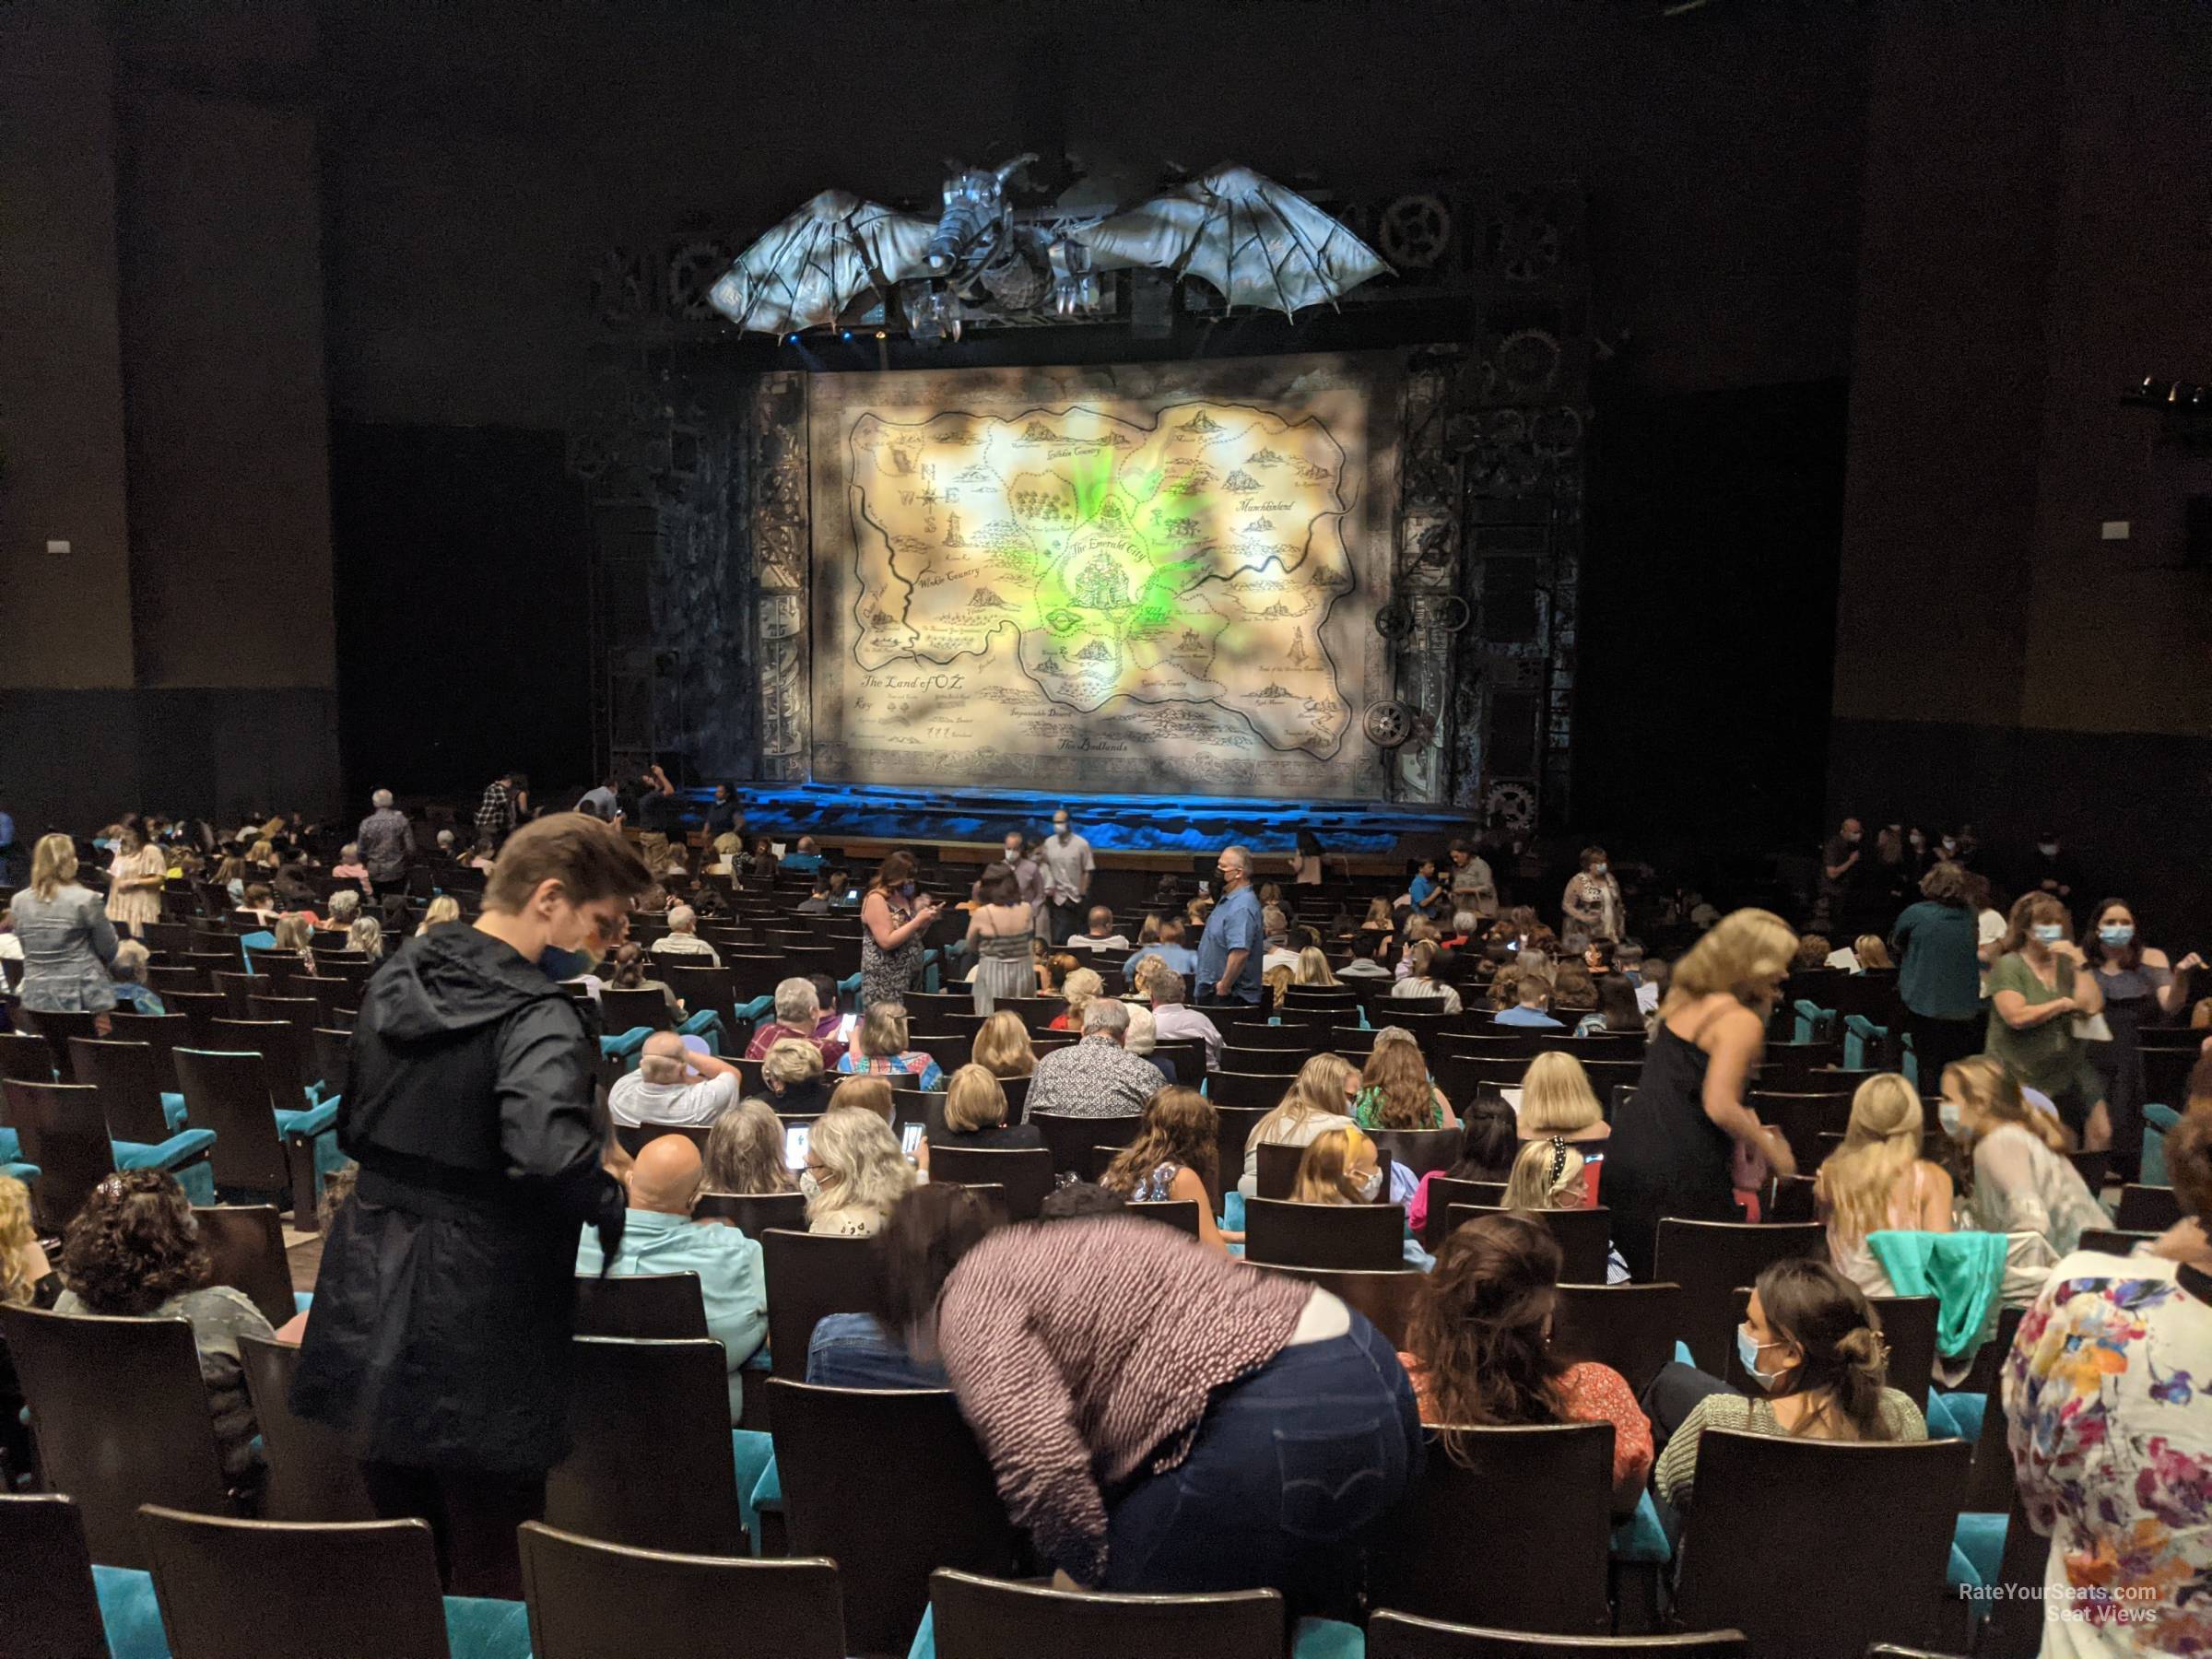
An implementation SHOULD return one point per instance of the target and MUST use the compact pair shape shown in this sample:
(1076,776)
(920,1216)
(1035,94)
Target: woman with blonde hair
(1313,968)
(743,1155)
(974,1114)
(2023,1181)
(67,940)
(1079,986)
(1314,1104)
(1341,1166)
(1872,955)
(1557,1099)
(1878,1181)
(134,878)
(871,1095)
(443,909)
(791,1071)
(1395,1089)
(1674,1150)
(1174,1158)
(854,1173)
(1277,981)
(1003,1047)
(26,1277)
(367,935)
(1420,975)
(879,1046)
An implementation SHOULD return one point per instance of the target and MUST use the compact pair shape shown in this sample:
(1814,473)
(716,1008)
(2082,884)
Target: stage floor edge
(1117,823)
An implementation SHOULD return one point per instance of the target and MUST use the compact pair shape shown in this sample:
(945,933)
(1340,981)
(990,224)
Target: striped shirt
(1083,1353)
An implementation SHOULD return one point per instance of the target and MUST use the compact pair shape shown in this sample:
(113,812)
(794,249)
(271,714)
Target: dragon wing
(805,271)
(1257,243)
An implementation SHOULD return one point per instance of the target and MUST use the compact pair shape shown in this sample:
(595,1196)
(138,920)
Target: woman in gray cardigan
(68,938)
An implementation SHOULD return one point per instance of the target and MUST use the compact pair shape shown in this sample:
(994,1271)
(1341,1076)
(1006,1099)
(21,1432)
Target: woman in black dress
(1672,1144)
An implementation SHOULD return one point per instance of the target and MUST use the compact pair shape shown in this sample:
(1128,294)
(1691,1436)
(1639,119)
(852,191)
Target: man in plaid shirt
(502,806)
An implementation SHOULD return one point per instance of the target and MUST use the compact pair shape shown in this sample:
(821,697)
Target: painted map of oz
(1105,592)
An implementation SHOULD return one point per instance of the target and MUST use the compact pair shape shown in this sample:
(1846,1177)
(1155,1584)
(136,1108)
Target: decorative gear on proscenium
(1388,725)
(1415,230)
(1393,623)
(1525,240)
(1556,434)
(1526,361)
(1515,803)
(693,269)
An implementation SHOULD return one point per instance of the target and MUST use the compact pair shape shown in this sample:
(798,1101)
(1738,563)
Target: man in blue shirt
(1169,948)
(1235,937)
(1534,995)
(659,1236)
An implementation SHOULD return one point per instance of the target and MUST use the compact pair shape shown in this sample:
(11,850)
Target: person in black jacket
(444,1310)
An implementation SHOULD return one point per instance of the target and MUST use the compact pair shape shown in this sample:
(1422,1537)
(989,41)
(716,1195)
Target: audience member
(2023,1181)
(854,1174)
(1069,865)
(1313,968)
(2041,987)
(1316,1101)
(744,1156)
(894,925)
(1938,977)
(1673,1148)
(794,1078)
(1815,1350)
(1876,1179)
(816,902)
(1169,1475)
(2110,1437)
(1079,986)
(879,1045)
(1094,1078)
(67,940)
(865,1094)
(672,1086)
(366,937)
(1593,896)
(134,878)
(1617,1009)
(1372,952)
(442,909)
(1275,936)
(27,1280)
(1003,1047)
(659,1236)
(469,1108)
(1557,1099)
(1421,979)
(133,1251)
(1474,888)
(682,938)
(1531,995)
(1166,946)
(129,969)
(343,908)
(974,1114)
(501,809)
(1479,1349)
(798,1018)
(350,866)
(1395,1089)
(2141,988)
(1230,950)
(1172,1018)
(1099,933)
(1175,1156)
(1811,955)
(628,974)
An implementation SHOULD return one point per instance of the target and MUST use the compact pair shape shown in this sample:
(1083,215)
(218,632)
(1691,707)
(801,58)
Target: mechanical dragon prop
(985,260)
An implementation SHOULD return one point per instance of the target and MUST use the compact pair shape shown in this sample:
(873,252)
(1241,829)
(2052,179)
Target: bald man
(661,1236)
(673,1084)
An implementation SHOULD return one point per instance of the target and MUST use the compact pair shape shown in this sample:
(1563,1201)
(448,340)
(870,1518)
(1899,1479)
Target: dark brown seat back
(977,1618)
(339,1590)
(1362,1237)
(1548,1487)
(753,1213)
(1443,1193)
(26,1057)
(164,1031)
(1421,1150)
(590,1600)
(229,1092)
(2148,1208)
(57,1029)
(120,1416)
(886,1522)
(1392,1635)
(621,1011)
(128,1078)
(1276,1175)
(1632,1328)
(1819,1547)
(1709,1259)
(635,1138)
(1182,1214)
(199,1010)
(53,1610)
(1260,1092)
(809,1275)
(1281,1063)
(1584,1236)
(673,1487)
(1026,1173)
(62,1130)
(1070,1139)
(1385,1299)
(284,1054)
(312,1477)
(245,1244)
(669,1306)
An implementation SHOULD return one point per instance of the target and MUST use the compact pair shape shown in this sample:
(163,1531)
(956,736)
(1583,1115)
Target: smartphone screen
(910,1139)
(845,1027)
(794,1145)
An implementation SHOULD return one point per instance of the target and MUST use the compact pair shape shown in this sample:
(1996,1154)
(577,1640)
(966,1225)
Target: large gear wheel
(693,270)
(1388,725)
(1394,620)
(1415,230)
(1515,804)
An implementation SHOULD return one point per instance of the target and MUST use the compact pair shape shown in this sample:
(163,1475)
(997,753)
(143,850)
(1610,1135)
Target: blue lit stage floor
(1127,824)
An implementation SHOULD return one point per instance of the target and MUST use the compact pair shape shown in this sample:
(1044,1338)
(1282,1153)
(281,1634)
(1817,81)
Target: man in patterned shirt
(505,801)
(1095,1077)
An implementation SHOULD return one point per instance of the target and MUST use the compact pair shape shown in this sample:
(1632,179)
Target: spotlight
(848,334)
(881,336)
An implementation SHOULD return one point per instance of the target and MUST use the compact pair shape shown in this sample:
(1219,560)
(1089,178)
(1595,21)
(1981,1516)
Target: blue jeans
(852,1350)
(1291,1469)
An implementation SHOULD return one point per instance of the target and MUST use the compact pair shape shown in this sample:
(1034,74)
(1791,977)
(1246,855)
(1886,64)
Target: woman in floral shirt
(2111,1429)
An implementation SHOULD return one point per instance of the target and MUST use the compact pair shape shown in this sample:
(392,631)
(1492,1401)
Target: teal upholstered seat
(183,1155)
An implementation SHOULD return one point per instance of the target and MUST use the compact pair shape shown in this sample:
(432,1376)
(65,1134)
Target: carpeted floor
(304,1251)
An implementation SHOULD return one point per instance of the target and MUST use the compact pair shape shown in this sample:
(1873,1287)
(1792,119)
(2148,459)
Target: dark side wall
(2034,238)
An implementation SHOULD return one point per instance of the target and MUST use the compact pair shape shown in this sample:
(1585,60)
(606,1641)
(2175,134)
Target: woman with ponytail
(1479,1348)
(1813,1348)
(1878,1181)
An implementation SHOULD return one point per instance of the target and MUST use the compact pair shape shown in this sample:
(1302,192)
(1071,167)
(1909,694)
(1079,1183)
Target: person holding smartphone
(2043,999)
(894,933)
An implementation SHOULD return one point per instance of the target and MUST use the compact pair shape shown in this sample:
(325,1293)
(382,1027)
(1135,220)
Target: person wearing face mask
(1069,867)
(1029,879)
(1813,1350)
(894,932)
(1920,852)
(1843,872)
(2051,870)
(1592,898)
(445,1302)
(2042,996)
(2141,987)
(1674,1143)
(1235,939)
(2024,1185)
(1939,971)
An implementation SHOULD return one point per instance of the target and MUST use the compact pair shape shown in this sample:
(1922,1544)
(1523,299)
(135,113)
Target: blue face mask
(2048,933)
(561,964)
(907,888)
(1748,1351)
(2115,936)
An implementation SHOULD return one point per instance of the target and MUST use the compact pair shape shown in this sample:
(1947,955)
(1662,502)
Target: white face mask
(810,1187)
(1953,1120)
(1372,1185)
